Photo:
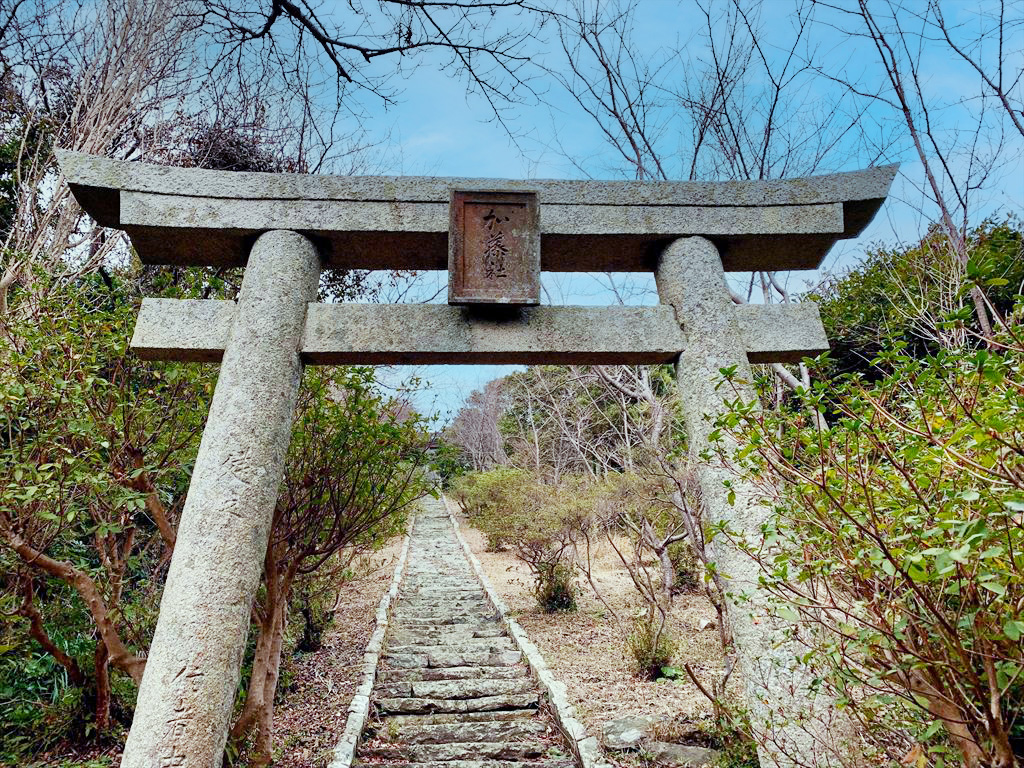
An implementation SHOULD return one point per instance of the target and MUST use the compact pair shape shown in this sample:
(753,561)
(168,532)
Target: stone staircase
(452,689)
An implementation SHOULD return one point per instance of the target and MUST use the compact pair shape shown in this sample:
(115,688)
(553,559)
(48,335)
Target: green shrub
(729,733)
(650,644)
(32,727)
(910,508)
(865,311)
(555,588)
(539,523)
(687,566)
(489,498)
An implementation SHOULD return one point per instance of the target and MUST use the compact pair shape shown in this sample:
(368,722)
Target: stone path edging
(359,708)
(585,747)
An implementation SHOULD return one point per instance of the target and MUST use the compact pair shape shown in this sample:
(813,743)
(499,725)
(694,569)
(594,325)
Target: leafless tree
(345,43)
(91,88)
(960,162)
(747,106)
(475,428)
(139,80)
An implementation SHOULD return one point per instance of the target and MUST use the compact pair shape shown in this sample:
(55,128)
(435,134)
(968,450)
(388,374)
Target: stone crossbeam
(389,334)
(193,216)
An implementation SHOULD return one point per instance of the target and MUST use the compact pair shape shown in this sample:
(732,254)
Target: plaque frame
(514,241)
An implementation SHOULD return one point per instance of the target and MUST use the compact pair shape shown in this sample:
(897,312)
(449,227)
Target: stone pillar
(794,727)
(188,689)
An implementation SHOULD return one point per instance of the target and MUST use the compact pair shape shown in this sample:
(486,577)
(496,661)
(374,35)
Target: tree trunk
(120,656)
(310,634)
(668,570)
(951,718)
(263,748)
(258,711)
(102,661)
(37,631)
(254,693)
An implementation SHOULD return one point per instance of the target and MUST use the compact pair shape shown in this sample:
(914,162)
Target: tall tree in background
(476,428)
(958,163)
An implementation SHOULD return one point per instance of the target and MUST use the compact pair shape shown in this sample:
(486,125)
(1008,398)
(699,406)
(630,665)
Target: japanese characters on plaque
(494,248)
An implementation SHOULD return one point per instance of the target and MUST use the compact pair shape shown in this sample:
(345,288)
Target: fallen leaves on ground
(311,717)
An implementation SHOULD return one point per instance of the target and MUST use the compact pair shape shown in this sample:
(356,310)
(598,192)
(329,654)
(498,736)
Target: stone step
(440,603)
(431,588)
(413,620)
(402,634)
(453,659)
(452,673)
(547,763)
(412,706)
(478,611)
(431,610)
(422,753)
(472,731)
(445,634)
(439,718)
(455,689)
(432,575)
(476,645)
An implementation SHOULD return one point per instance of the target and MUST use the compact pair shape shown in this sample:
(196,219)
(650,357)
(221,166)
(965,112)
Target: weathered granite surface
(682,755)
(361,334)
(192,672)
(359,710)
(628,732)
(402,222)
(787,716)
(102,175)
(635,733)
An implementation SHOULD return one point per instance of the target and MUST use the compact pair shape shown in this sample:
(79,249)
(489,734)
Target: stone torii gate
(495,237)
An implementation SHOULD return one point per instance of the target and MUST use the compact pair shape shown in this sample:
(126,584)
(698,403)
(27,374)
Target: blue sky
(437,129)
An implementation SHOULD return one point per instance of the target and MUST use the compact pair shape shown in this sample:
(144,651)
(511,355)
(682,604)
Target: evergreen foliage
(904,294)
(898,543)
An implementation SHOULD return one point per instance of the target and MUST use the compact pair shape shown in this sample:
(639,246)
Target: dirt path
(586,649)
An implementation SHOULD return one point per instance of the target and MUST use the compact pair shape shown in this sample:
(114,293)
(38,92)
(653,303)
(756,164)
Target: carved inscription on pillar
(494,248)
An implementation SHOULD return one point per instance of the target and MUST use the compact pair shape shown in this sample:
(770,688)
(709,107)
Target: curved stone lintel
(194,216)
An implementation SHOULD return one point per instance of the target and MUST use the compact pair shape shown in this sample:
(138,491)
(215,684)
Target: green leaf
(1013,629)
(787,613)
(995,587)
(960,553)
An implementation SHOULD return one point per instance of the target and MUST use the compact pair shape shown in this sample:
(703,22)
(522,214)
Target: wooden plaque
(494,248)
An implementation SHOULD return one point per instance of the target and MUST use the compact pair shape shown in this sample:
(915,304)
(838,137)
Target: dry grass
(586,650)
